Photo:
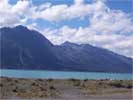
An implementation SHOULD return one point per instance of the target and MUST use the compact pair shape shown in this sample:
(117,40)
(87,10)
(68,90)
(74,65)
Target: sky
(103,23)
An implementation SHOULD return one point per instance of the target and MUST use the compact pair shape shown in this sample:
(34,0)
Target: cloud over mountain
(108,28)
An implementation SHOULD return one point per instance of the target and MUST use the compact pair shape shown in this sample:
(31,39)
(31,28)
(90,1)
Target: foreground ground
(49,89)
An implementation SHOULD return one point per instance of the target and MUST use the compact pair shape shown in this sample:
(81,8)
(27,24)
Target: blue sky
(123,5)
(103,23)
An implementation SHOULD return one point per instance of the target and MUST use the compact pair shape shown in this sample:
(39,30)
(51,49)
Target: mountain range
(22,48)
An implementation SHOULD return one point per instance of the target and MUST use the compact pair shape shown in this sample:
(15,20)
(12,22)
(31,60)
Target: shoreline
(66,71)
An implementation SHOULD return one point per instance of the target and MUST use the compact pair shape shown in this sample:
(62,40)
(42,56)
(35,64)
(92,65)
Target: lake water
(63,74)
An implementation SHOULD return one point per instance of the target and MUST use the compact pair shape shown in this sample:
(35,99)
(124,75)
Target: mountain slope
(22,48)
(25,48)
(87,57)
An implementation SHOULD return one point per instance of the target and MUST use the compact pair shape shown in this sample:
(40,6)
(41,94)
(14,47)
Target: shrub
(52,88)
(50,80)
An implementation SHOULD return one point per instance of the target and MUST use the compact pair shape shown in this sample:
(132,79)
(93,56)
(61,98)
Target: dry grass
(93,87)
(27,88)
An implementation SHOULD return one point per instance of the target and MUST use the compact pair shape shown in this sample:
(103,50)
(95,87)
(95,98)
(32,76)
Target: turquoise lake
(63,74)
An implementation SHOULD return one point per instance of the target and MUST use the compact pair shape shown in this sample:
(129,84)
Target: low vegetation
(44,88)
(122,83)
(92,87)
(27,88)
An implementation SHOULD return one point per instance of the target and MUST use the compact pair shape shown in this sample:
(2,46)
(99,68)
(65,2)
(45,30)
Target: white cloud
(44,6)
(12,15)
(53,13)
(78,2)
(112,22)
(20,7)
(61,12)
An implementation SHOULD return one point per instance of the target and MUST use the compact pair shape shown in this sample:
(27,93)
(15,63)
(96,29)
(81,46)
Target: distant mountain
(22,48)
(86,57)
